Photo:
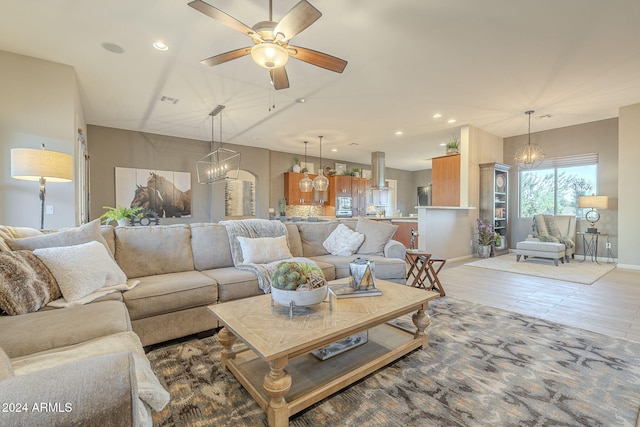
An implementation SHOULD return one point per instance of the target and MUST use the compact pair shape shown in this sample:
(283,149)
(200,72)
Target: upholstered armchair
(566,225)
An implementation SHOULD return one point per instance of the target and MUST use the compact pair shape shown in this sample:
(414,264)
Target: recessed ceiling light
(437,115)
(334,150)
(399,132)
(301,100)
(443,144)
(451,121)
(160,46)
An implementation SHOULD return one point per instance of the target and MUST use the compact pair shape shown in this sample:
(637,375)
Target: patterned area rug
(574,271)
(483,367)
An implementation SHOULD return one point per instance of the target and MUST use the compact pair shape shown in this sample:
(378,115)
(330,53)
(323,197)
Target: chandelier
(219,165)
(530,155)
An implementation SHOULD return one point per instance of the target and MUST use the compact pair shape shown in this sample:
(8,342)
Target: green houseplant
(453,146)
(121,214)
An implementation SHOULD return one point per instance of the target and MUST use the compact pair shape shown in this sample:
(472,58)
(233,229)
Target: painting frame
(341,168)
(366,173)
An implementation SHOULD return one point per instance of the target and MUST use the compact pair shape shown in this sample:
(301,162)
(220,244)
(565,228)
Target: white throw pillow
(81,269)
(263,250)
(343,241)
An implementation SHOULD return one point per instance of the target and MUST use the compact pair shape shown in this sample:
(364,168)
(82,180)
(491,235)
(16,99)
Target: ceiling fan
(271,47)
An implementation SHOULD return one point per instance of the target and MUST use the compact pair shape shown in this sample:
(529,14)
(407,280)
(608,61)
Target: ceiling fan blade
(219,15)
(296,20)
(227,56)
(318,59)
(279,78)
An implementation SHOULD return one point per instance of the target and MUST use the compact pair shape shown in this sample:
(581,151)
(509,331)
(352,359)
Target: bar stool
(422,267)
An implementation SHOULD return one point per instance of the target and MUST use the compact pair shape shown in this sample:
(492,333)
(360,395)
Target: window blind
(569,161)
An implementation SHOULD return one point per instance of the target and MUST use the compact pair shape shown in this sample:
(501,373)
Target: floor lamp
(30,164)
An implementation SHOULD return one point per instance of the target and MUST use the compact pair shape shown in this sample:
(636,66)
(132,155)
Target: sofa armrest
(394,249)
(97,391)
(530,238)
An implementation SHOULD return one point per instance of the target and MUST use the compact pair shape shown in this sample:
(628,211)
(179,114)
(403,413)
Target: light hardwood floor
(610,306)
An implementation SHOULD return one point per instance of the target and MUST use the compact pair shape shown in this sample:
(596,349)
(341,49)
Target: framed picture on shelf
(366,173)
(501,183)
(340,168)
(307,165)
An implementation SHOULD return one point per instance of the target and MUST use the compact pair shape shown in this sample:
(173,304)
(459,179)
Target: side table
(590,245)
(423,266)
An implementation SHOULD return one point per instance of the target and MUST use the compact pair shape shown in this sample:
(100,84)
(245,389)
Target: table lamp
(41,165)
(593,203)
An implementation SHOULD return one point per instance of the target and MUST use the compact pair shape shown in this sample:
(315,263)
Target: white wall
(39,105)
(628,179)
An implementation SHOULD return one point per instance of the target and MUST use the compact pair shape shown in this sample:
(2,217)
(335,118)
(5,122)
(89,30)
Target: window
(553,188)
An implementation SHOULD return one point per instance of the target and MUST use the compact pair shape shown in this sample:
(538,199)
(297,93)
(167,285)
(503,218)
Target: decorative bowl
(299,298)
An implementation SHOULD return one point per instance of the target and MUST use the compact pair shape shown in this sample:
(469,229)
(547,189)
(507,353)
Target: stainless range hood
(377,171)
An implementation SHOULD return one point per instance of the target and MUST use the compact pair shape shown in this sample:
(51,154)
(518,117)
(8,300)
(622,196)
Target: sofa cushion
(385,268)
(44,330)
(166,293)
(158,249)
(342,241)
(73,236)
(77,280)
(295,243)
(263,250)
(234,283)
(376,236)
(26,284)
(6,370)
(210,246)
(312,234)
(109,236)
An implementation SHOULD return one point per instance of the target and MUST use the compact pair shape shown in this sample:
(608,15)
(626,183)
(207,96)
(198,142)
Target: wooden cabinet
(359,188)
(339,186)
(445,179)
(403,233)
(292,189)
(494,201)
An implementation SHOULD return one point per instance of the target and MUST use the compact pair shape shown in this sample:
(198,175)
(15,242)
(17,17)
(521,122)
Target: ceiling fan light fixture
(269,55)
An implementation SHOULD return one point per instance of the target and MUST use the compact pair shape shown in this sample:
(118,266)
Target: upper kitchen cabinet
(292,189)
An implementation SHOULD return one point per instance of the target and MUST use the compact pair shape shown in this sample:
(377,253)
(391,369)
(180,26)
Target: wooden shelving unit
(494,201)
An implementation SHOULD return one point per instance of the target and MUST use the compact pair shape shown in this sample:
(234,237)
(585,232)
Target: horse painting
(163,197)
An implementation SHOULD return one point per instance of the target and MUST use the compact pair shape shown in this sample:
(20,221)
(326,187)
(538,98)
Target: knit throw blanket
(546,229)
(255,228)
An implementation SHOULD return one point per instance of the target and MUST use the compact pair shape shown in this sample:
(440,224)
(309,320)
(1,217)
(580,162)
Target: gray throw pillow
(376,235)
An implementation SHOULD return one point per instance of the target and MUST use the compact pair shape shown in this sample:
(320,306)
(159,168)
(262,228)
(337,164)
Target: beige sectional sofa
(177,270)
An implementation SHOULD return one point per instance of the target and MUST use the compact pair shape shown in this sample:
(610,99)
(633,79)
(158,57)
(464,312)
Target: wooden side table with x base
(421,268)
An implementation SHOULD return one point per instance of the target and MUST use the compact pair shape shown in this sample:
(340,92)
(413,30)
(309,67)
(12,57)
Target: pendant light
(221,164)
(530,155)
(320,182)
(305,184)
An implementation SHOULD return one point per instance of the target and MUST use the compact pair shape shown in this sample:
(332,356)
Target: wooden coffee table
(272,342)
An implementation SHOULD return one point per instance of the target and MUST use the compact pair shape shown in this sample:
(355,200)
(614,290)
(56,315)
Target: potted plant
(356,172)
(296,165)
(453,146)
(485,238)
(283,207)
(121,214)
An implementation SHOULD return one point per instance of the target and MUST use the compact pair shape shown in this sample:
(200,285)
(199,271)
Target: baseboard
(629,266)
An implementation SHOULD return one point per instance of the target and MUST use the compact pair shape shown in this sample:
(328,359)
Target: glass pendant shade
(530,155)
(320,182)
(305,184)
(269,55)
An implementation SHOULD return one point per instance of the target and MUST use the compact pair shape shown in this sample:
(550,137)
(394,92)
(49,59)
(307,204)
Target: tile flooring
(610,306)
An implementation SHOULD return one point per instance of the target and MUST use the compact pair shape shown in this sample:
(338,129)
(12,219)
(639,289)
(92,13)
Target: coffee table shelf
(314,379)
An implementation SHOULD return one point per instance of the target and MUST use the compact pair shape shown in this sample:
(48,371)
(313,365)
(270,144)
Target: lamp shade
(593,202)
(269,55)
(32,164)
